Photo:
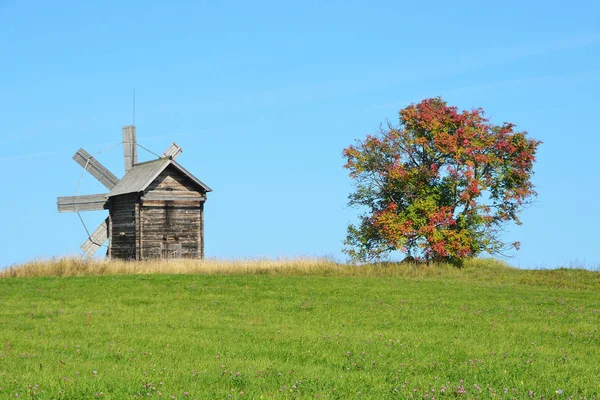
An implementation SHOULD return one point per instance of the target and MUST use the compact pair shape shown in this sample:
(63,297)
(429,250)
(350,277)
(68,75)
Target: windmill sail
(96,169)
(129,147)
(173,151)
(89,202)
(96,239)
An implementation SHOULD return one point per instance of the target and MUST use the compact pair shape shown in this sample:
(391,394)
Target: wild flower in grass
(559,391)
(186,394)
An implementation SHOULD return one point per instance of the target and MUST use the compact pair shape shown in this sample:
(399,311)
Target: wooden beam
(96,169)
(129,147)
(171,197)
(96,239)
(173,151)
(82,203)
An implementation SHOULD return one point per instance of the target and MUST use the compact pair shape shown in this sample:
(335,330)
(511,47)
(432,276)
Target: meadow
(77,329)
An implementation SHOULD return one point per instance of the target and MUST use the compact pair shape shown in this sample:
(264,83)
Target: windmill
(155,211)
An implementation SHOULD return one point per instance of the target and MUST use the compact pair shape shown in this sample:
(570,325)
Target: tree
(440,186)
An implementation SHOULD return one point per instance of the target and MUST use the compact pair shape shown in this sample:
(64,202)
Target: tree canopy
(441,185)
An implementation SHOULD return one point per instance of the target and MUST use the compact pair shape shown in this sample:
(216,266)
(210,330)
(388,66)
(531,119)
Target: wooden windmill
(155,211)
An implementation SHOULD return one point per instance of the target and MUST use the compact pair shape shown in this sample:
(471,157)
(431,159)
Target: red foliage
(440,185)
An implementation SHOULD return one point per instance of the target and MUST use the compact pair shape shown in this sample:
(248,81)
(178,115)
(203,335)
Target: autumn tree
(441,185)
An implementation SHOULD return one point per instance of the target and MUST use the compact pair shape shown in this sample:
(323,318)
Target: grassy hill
(76,329)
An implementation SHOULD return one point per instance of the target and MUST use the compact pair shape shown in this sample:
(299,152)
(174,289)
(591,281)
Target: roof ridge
(141,175)
(151,161)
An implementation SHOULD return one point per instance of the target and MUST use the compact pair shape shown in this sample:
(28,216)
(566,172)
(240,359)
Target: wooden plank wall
(123,226)
(174,223)
(172,182)
(171,222)
(201,233)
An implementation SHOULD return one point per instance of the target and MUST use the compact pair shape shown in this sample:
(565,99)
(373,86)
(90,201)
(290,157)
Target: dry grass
(77,266)
(486,271)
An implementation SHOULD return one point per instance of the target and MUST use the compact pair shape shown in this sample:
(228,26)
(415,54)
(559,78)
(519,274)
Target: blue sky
(263,97)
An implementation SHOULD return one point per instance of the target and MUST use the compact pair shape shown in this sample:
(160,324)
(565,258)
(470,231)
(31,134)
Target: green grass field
(335,332)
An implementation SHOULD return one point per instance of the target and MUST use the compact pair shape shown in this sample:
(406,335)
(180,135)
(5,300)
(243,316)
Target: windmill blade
(173,151)
(96,239)
(82,203)
(96,169)
(129,147)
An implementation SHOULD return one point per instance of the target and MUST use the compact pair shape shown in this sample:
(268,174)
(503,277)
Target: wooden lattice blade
(173,151)
(82,203)
(96,169)
(96,239)
(129,147)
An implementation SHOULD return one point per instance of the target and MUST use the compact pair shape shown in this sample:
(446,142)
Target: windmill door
(170,249)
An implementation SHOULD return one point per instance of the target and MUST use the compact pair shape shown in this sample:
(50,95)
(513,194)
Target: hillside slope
(285,333)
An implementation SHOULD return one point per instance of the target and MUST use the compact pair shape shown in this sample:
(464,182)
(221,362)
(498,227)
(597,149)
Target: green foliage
(440,186)
(484,331)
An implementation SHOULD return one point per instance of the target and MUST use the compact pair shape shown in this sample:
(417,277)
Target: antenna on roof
(133,107)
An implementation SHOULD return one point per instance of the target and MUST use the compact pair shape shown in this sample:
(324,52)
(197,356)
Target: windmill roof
(142,175)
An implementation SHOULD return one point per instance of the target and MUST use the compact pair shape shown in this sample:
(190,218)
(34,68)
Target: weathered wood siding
(171,181)
(171,218)
(124,213)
